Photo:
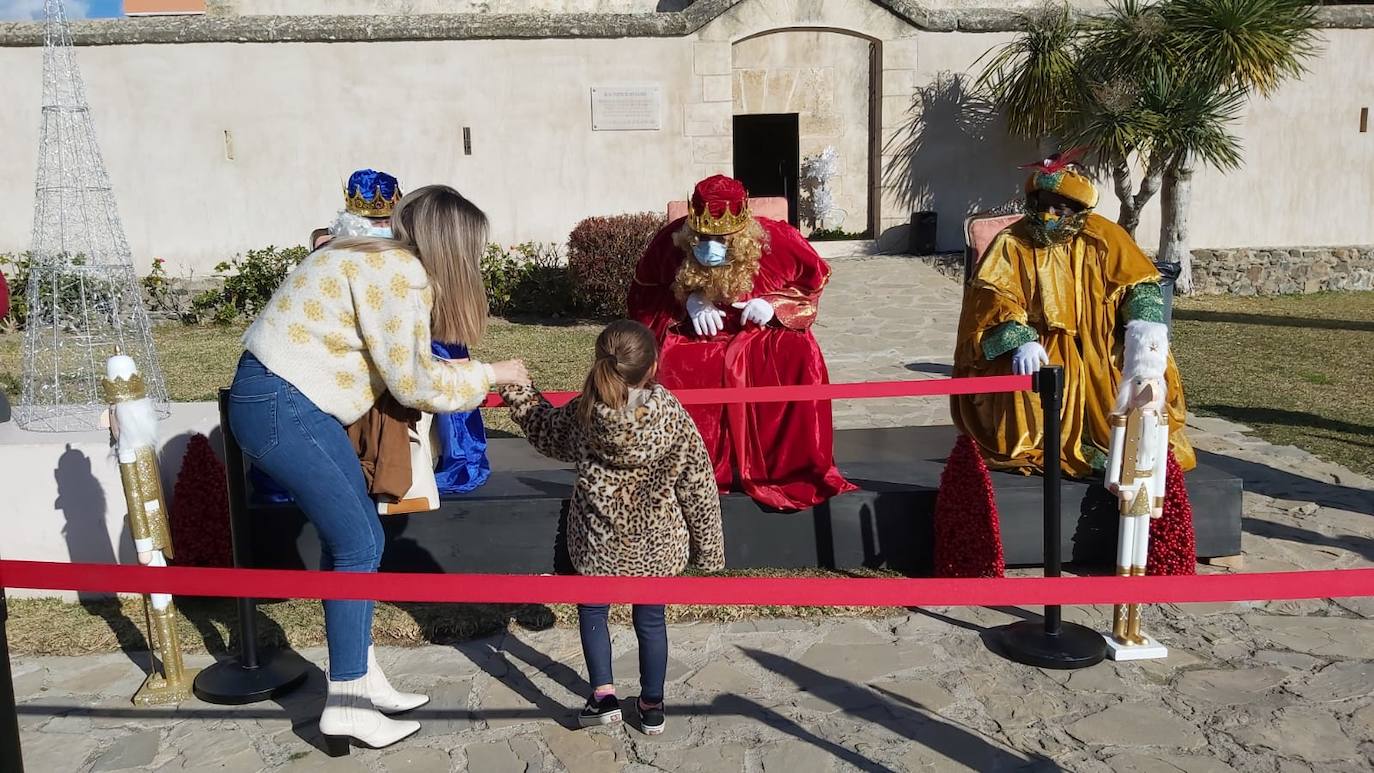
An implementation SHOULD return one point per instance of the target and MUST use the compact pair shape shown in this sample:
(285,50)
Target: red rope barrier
(548,589)
(928,387)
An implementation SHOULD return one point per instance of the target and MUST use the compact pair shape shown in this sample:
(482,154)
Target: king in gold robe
(1070,281)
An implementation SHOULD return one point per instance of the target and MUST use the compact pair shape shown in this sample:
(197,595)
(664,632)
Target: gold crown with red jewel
(719,207)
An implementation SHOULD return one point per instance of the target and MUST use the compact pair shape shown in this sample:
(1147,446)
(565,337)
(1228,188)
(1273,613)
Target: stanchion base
(229,683)
(1074,647)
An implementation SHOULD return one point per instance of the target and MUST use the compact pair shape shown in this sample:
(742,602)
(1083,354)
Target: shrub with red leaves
(968,537)
(1173,545)
(200,509)
(602,253)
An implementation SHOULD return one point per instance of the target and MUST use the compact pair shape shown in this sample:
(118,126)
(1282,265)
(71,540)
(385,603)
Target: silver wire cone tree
(84,300)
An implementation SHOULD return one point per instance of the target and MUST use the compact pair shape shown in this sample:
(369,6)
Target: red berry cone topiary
(1173,547)
(968,538)
(200,509)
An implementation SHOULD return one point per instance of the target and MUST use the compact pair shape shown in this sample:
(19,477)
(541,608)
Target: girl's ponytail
(625,355)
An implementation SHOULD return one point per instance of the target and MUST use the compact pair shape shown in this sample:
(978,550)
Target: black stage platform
(512,524)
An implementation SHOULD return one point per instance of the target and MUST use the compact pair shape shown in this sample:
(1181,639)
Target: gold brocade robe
(1072,295)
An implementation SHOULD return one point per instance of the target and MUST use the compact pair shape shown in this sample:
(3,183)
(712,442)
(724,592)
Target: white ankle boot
(386,698)
(349,713)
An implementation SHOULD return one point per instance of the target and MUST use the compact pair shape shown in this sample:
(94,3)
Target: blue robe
(462,465)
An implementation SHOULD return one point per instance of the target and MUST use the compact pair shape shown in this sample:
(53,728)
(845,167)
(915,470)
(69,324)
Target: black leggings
(652,633)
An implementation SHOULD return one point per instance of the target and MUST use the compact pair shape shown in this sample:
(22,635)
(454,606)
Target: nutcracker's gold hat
(125,387)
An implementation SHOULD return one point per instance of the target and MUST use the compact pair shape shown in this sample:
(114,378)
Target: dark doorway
(768,157)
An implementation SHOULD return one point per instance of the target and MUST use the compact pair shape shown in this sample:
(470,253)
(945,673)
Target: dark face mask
(1048,228)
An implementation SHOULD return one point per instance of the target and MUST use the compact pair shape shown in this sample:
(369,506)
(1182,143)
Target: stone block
(901,55)
(1137,724)
(705,119)
(1229,687)
(717,88)
(897,109)
(131,751)
(899,83)
(779,92)
(712,150)
(1338,682)
(503,706)
(419,760)
(711,58)
(749,87)
(496,757)
(583,752)
(1152,763)
(1313,736)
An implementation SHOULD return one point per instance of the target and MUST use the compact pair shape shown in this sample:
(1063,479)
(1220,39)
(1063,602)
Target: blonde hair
(625,355)
(727,283)
(447,233)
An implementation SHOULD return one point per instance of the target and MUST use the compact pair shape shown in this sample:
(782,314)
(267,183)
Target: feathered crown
(370,193)
(1059,174)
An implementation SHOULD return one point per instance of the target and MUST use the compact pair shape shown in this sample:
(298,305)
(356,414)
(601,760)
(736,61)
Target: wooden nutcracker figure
(133,426)
(1136,466)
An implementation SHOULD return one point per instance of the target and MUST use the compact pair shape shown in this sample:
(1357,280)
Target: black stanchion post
(1053,644)
(11,755)
(252,676)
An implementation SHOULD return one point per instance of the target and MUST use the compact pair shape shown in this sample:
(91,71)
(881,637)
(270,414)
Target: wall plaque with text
(626,108)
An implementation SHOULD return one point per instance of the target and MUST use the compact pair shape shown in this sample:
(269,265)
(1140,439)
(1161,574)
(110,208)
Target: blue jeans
(306,450)
(650,630)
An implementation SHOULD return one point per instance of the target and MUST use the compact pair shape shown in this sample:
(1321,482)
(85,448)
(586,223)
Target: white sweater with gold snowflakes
(347,326)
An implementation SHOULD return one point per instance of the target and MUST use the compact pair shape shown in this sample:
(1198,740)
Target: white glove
(756,310)
(1028,358)
(707,320)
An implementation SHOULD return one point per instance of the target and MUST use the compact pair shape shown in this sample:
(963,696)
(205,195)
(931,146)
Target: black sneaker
(651,720)
(599,712)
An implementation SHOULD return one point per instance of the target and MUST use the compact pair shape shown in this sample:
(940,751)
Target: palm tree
(1157,83)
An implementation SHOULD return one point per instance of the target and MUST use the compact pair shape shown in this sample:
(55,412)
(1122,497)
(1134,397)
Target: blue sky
(76,9)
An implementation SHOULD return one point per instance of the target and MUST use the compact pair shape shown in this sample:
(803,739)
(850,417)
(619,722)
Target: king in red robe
(732,298)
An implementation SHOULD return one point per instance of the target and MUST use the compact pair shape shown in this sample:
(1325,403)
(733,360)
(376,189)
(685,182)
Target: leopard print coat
(645,502)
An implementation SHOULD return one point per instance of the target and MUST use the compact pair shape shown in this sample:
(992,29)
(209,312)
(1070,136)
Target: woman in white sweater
(349,323)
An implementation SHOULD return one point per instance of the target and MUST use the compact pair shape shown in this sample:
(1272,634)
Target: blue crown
(371,193)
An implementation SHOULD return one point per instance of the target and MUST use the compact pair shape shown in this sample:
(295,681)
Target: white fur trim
(137,420)
(1145,358)
(1147,349)
(349,224)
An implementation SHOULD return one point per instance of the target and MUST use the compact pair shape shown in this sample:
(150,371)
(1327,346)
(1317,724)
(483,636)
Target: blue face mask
(383,232)
(709,254)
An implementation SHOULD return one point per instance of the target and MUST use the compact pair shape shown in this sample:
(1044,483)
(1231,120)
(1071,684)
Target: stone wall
(1249,271)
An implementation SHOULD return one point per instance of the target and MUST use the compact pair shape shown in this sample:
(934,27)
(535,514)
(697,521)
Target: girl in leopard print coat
(645,502)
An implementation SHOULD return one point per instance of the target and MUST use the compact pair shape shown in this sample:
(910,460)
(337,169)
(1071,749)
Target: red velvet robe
(783,452)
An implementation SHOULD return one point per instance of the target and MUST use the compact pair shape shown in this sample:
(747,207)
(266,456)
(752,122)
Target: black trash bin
(921,240)
(1168,274)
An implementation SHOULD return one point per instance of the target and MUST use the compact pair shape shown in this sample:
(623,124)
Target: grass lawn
(1297,369)
(197,361)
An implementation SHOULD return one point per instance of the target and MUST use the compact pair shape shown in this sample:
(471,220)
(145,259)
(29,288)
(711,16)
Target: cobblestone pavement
(1283,686)
(888,318)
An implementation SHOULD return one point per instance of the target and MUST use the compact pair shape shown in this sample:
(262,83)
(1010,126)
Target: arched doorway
(804,100)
